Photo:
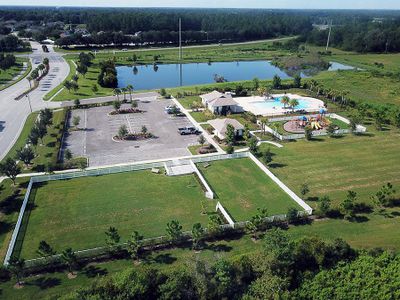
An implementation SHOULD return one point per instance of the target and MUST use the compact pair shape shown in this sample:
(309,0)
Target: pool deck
(247,103)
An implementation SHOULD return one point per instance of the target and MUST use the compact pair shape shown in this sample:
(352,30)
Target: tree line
(10,43)
(361,36)
(285,268)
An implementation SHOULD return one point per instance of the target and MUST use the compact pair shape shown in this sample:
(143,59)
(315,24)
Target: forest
(362,36)
(361,31)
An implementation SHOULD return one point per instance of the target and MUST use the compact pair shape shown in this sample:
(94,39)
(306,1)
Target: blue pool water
(148,77)
(303,104)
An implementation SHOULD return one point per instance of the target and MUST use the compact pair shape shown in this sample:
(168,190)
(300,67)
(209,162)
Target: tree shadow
(359,219)
(395,213)
(4,227)
(394,203)
(277,165)
(45,283)
(314,198)
(12,203)
(363,208)
(51,144)
(218,247)
(334,214)
(93,271)
(165,258)
(315,139)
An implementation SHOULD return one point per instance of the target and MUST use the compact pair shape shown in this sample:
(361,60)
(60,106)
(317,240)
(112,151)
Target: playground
(315,122)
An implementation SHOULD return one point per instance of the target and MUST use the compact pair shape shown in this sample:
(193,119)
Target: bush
(230,149)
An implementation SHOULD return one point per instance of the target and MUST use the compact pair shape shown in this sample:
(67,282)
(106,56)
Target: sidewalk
(207,136)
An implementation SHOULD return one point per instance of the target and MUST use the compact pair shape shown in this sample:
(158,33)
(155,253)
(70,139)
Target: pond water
(147,77)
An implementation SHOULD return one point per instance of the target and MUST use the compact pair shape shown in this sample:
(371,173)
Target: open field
(362,86)
(81,210)
(332,166)
(390,62)
(242,188)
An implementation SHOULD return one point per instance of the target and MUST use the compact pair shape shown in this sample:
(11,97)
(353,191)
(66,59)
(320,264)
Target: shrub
(230,149)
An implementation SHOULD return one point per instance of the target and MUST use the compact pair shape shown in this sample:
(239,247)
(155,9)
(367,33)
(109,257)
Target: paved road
(189,47)
(14,113)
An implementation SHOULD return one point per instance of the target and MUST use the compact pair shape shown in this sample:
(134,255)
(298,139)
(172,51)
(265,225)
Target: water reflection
(146,77)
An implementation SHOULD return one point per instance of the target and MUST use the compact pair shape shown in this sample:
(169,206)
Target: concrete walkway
(207,136)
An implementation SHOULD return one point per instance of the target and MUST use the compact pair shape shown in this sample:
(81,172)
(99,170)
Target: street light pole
(29,101)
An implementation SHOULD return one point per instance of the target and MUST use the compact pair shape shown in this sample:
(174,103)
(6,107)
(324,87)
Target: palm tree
(263,122)
(117,92)
(124,90)
(285,101)
(293,103)
(29,80)
(129,88)
(343,100)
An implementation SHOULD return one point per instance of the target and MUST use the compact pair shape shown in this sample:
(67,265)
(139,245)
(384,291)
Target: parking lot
(94,140)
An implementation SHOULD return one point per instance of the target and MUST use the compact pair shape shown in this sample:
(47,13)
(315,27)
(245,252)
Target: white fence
(281,137)
(98,172)
(225,214)
(141,166)
(209,193)
(288,191)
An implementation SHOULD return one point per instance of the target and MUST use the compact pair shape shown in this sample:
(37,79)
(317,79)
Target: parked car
(188,130)
(172,110)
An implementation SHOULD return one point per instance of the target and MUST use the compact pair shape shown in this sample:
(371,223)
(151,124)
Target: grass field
(7,76)
(362,86)
(85,86)
(242,188)
(332,166)
(81,210)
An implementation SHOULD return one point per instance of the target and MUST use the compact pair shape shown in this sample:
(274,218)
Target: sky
(295,4)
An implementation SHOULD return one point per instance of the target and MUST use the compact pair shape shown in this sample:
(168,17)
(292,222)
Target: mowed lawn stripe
(242,187)
(76,213)
(333,166)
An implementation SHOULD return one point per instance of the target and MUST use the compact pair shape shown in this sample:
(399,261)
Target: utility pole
(329,36)
(180,39)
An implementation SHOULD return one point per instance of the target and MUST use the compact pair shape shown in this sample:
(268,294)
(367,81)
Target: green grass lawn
(85,86)
(187,101)
(21,141)
(11,198)
(390,62)
(45,151)
(7,76)
(332,166)
(362,86)
(81,210)
(242,187)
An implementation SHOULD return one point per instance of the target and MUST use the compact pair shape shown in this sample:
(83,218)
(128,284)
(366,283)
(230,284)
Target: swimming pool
(303,103)
(259,106)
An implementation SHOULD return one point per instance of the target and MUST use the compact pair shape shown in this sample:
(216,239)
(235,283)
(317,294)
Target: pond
(148,77)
